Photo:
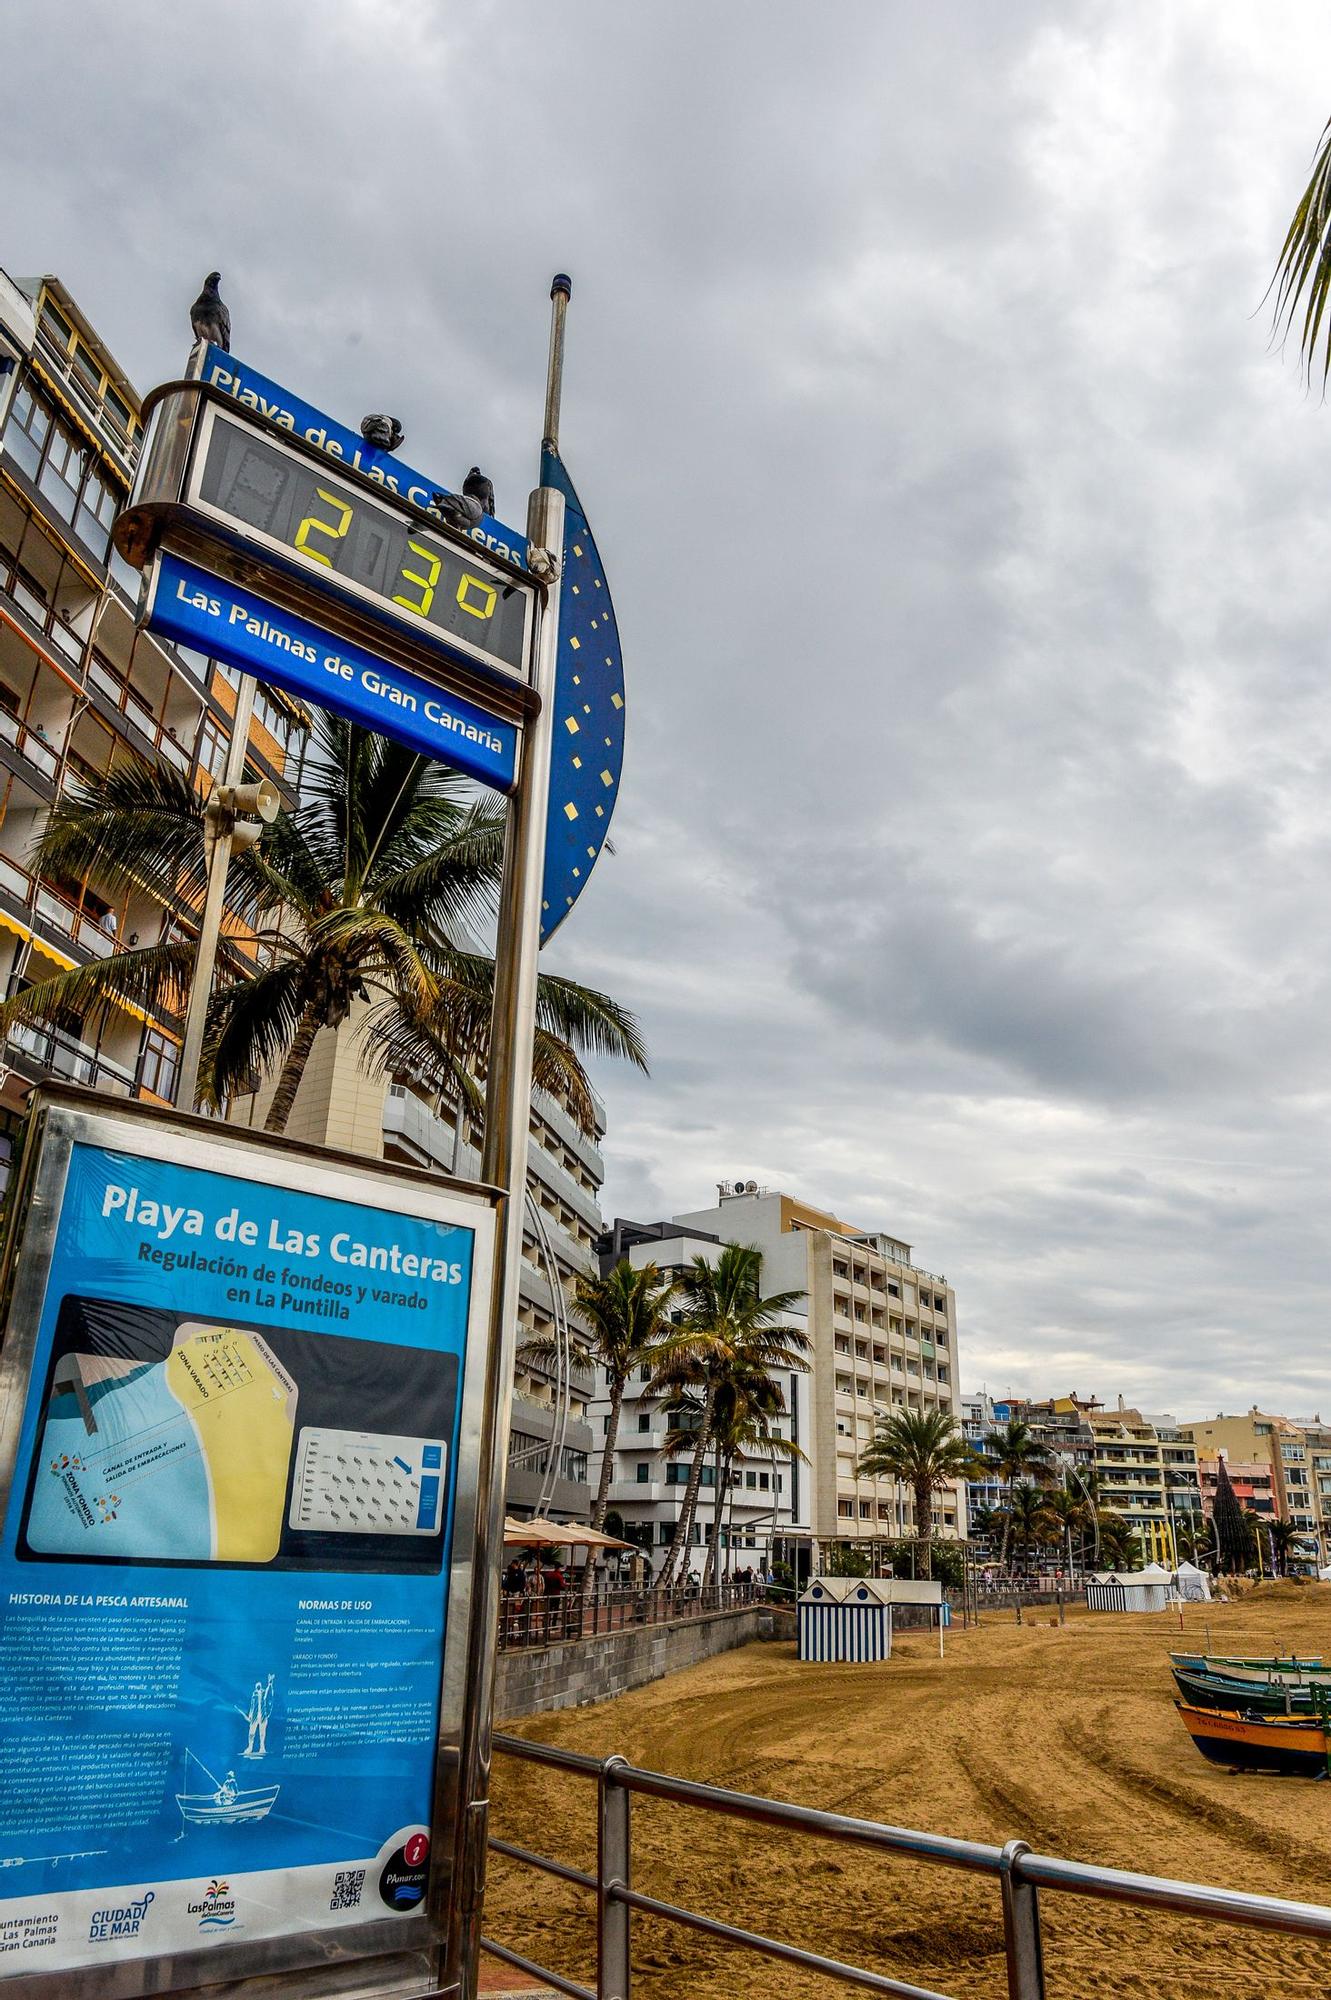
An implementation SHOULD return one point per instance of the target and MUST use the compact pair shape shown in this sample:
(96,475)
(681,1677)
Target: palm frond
(154,978)
(138,825)
(1303,269)
(250,1025)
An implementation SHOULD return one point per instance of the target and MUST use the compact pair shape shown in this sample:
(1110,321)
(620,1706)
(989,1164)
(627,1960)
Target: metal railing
(1019,1873)
(534,1618)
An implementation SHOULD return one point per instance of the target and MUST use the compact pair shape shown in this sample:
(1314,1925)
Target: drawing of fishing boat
(227,1804)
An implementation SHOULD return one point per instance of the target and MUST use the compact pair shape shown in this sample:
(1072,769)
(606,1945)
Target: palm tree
(1027,1517)
(985,1522)
(369,891)
(1120,1547)
(747,1403)
(1066,1511)
(926,1451)
(628,1318)
(725,1324)
(1283,1536)
(1303,269)
(1016,1453)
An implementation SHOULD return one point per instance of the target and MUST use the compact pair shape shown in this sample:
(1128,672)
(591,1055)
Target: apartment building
(81,689)
(766,1513)
(1253,1484)
(1139,1466)
(883,1333)
(1296,1455)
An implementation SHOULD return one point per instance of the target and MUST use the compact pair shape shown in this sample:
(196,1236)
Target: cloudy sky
(970,548)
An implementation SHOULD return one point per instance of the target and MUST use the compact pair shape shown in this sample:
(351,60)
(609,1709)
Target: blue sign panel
(223,1566)
(198,609)
(587,754)
(252,391)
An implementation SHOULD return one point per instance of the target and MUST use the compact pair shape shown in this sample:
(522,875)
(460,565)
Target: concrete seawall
(577,1671)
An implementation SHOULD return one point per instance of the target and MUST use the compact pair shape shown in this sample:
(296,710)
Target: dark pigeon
(384,432)
(209,317)
(460,510)
(477,487)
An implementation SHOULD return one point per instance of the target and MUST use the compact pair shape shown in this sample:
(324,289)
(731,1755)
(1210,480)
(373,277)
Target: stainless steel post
(1021,1928)
(504,1165)
(614,1806)
(210,924)
(561,290)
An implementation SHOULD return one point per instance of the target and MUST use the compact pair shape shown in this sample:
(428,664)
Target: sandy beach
(1066,1737)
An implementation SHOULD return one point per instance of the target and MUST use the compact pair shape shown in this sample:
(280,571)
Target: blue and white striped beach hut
(846,1618)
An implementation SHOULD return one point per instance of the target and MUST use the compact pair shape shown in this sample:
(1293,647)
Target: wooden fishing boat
(1207,1690)
(1221,1663)
(1289,1743)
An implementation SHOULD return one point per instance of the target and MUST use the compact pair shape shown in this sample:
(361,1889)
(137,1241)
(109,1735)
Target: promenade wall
(574,1672)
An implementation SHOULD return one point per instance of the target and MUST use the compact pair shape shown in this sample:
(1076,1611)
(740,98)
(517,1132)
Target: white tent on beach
(1193,1584)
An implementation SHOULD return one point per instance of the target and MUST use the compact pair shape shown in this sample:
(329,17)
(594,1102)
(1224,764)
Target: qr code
(347,1885)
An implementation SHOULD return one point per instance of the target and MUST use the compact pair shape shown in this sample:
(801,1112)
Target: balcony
(31,744)
(53,1052)
(109,690)
(59,367)
(51,911)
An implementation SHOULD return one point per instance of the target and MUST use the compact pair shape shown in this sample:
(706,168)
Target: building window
(665,1532)
(644,1472)
(161,1059)
(96,512)
(25,433)
(751,1480)
(62,474)
(213,741)
(644,1421)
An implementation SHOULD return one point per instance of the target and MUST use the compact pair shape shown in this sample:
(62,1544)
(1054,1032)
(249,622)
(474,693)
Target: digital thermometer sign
(280,499)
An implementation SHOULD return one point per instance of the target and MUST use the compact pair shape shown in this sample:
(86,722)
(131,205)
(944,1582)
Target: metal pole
(1021,1929)
(504,1165)
(561,290)
(614,1971)
(219,860)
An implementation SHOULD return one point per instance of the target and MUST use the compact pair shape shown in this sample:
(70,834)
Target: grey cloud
(968,545)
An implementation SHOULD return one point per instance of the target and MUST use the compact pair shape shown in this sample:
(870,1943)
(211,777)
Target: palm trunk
(684,1525)
(710,1573)
(924,1530)
(1007,1525)
(293,1069)
(602,1500)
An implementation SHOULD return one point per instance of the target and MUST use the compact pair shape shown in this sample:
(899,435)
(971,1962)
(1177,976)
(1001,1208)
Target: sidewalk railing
(1018,1873)
(536,1619)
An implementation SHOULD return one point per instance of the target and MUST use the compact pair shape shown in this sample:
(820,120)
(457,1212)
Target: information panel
(223,1567)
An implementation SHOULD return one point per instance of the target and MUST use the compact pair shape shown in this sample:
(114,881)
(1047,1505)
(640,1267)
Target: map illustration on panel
(177,1441)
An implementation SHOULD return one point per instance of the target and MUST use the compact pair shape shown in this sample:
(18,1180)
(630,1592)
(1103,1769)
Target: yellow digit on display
(427,583)
(491,594)
(312,525)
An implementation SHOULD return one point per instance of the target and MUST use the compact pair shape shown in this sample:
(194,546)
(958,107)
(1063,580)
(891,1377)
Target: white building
(767,1511)
(882,1333)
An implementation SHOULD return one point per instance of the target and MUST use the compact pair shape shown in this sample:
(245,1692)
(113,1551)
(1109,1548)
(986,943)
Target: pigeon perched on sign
(460,510)
(384,432)
(477,487)
(209,317)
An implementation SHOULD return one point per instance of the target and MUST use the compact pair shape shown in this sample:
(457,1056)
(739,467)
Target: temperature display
(341,533)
